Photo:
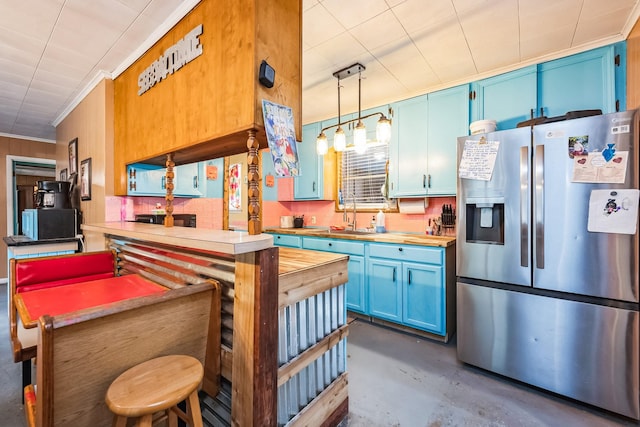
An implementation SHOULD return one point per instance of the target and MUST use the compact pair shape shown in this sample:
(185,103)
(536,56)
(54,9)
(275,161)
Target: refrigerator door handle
(539,205)
(524,228)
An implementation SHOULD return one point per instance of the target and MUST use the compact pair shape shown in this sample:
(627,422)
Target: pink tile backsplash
(209,212)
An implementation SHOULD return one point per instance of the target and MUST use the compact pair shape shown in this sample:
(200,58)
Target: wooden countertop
(398,238)
(228,242)
(304,272)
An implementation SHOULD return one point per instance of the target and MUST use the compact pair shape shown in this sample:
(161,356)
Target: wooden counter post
(253,176)
(254,379)
(168,219)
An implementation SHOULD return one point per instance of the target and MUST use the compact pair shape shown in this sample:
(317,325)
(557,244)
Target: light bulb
(339,140)
(360,138)
(321,144)
(383,130)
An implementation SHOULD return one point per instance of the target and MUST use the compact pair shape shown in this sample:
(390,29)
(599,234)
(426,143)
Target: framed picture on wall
(63,174)
(73,156)
(85,179)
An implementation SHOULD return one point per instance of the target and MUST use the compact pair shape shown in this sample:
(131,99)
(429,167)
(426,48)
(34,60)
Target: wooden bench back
(39,273)
(80,354)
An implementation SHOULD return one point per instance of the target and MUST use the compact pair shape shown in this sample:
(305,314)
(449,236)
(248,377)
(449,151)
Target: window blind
(362,176)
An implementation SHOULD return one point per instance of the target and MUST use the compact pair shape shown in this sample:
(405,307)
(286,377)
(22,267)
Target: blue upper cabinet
(408,149)
(422,155)
(268,193)
(585,81)
(214,176)
(620,61)
(188,180)
(508,99)
(448,118)
(309,184)
(145,180)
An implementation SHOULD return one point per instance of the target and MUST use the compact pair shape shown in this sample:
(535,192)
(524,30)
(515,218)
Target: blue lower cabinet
(356,291)
(356,286)
(385,289)
(287,240)
(423,297)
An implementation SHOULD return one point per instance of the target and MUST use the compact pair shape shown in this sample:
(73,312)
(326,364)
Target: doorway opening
(22,175)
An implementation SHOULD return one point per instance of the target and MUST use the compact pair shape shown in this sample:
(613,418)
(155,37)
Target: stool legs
(193,410)
(119,421)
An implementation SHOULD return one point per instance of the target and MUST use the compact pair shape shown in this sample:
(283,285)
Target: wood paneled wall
(204,110)
(633,68)
(24,148)
(92,123)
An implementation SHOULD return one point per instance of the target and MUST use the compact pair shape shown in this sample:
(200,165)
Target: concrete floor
(395,379)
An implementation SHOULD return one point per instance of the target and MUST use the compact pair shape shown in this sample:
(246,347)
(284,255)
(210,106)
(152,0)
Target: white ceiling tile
(308,4)
(318,26)
(160,10)
(449,57)
(137,5)
(415,15)
(353,13)
(369,35)
(33,17)
(343,50)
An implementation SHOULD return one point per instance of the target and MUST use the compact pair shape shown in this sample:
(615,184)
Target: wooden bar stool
(157,385)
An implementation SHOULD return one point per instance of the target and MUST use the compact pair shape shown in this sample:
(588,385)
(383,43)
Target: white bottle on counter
(380,227)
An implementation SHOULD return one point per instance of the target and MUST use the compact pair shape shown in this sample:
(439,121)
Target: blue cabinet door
(145,180)
(188,180)
(267,168)
(448,119)
(385,289)
(509,98)
(584,81)
(287,240)
(356,295)
(309,186)
(423,297)
(408,149)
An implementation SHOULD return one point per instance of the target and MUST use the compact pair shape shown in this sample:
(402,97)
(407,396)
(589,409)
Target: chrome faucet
(345,217)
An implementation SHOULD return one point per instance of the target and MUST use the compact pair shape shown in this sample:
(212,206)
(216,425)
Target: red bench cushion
(78,296)
(42,273)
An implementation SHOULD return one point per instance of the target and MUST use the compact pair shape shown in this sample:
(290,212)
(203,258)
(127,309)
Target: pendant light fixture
(383,127)
(339,138)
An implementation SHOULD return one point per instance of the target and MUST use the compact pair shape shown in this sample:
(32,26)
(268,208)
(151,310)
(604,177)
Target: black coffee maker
(53,195)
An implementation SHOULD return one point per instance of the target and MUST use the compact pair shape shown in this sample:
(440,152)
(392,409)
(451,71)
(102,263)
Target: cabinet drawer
(332,245)
(287,240)
(407,253)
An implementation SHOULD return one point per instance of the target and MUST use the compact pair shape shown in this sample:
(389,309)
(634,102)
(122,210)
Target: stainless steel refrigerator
(547,257)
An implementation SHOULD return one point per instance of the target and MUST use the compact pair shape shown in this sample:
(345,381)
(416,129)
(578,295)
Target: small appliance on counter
(53,195)
(298,221)
(286,221)
(53,217)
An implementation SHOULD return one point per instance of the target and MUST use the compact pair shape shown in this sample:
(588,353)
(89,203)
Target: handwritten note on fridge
(478,159)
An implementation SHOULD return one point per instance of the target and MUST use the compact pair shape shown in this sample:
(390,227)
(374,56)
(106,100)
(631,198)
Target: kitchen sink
(351,232)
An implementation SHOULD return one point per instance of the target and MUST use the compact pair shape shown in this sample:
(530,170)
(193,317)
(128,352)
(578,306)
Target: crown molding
(28,138)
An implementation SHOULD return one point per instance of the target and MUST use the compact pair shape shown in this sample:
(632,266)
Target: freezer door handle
(539,205)
(524,228)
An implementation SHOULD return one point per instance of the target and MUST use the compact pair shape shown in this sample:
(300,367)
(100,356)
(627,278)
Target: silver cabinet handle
(195,181)
(424,181)
(163,183)
(538,205)
(524,197)
(409,276)
(314,186)
(394,274)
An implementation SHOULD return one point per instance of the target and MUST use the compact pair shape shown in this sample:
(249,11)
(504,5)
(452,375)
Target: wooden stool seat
(157,385)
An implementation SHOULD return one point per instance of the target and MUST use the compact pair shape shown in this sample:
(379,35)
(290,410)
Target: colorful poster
(281,136)
(235,187)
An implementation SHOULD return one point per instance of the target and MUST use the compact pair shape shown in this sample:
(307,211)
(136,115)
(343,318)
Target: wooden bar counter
(283,316)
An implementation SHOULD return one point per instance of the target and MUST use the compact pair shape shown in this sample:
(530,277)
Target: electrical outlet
(313,220)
